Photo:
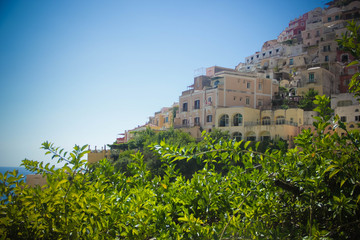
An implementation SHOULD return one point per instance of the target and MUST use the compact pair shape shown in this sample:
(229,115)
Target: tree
(307,102)
(350,42)
(309,192)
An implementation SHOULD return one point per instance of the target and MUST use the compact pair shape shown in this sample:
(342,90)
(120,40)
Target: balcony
(270,123)
(314,81)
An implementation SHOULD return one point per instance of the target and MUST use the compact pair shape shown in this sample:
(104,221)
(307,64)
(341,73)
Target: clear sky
(83,71)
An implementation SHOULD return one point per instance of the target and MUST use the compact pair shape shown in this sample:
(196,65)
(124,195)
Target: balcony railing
(269,123)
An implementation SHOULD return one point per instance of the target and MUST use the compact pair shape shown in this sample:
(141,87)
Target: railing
(269,123)
(312,81)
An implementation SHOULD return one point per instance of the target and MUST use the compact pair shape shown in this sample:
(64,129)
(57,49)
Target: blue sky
(80,72)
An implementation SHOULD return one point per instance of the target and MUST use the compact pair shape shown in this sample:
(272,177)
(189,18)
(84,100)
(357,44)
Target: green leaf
(329,168)
(334,173)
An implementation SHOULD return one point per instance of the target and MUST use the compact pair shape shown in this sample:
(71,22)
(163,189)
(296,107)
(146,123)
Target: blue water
(21,170)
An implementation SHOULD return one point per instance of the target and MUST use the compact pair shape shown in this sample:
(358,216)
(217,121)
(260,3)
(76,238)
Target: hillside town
(262,98)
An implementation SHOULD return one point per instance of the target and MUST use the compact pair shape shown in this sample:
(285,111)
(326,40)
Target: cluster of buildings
(245,100)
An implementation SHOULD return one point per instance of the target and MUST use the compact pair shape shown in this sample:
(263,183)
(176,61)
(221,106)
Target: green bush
(311,191)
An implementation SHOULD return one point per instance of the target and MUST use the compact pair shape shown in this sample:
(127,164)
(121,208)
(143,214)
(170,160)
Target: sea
(21,170)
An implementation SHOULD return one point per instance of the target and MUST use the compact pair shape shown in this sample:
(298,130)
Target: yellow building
(164,119)
(97,155)
(255,125)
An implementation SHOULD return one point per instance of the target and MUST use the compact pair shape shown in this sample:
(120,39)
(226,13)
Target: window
(326,58)
(224,121)
(197,121)
(352,126)
(247,101)
(209,100)
(357,118)
(248,85)
(277,50)
(197,104)
(263,54)
(185,107)
(344,58)
(238,119)
(336,17)
(343,118)
(280,120)
(344,103)
(260,103)
(237,136)
(291,120)
(291,61)
(265,121)
(166,119)
(251,137)
(260,86)
(270,52)
(311,77)
(329,19)
(184,122)
(209,118)
(257,56)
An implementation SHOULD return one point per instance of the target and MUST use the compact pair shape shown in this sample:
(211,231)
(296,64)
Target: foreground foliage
(309,192)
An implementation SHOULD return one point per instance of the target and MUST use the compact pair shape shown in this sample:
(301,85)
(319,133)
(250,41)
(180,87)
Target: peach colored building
(198,105)
(346,107)
(319,79)
(34,180)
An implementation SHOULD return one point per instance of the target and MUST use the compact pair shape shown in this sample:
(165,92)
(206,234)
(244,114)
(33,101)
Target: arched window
(224,121)
(238,119)
(280,120)
(344,58)
(265,121)
(352,126)
(250,136)
(265,136)
(237,136)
